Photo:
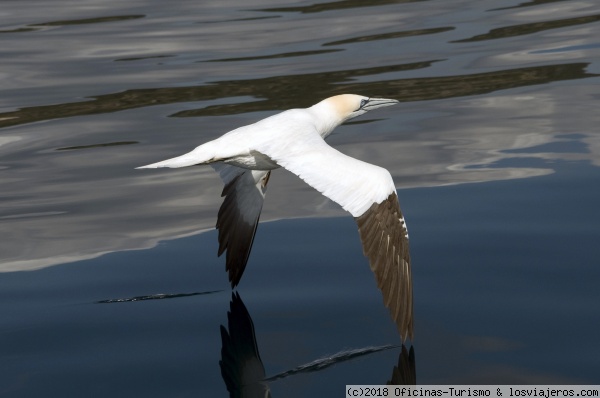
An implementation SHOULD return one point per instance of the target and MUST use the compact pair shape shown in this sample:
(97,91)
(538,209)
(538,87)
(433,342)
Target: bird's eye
(363,102)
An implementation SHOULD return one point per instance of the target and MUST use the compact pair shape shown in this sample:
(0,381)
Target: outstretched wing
(352,183)
(368,193)
(238,217)
(385,243)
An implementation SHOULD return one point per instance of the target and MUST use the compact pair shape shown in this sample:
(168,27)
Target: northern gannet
(294,140)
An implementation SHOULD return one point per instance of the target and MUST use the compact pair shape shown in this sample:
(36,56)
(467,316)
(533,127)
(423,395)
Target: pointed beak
(375,103)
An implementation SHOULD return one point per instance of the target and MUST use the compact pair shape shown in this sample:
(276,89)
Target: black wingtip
(237,221)
(234,282)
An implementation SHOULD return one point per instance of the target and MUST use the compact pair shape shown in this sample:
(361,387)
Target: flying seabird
(294,140)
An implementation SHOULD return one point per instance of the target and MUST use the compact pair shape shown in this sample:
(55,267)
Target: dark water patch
(160,296)
(243,19)
(18,30)
(86,21)
(118,143)
(337,5)
(391,35)
(529,28)
(363,121)
(37,26)
(275,56)
(529,4)
(292,91)
(520,254)
(142,58)
(330,360)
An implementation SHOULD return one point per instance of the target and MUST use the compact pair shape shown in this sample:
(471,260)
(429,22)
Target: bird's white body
(294,140)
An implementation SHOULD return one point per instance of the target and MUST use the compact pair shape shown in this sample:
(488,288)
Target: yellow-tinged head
(333,111)
(348,106)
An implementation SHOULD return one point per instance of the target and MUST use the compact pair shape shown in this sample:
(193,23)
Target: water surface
(110,282)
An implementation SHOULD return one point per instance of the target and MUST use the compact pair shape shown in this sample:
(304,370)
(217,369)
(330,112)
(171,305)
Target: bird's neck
(325,118)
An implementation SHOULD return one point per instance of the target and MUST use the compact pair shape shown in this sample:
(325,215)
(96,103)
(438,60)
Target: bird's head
(349,106)
(333,111)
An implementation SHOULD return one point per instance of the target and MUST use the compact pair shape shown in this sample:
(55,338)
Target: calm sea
(109,280)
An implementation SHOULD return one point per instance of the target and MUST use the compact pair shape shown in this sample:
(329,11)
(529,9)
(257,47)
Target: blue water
(505,282)
(109,280)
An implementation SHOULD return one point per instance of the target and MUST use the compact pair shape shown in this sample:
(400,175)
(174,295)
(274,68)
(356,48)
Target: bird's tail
(201,155)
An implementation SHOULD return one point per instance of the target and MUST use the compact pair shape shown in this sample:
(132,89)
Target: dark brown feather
(385,243)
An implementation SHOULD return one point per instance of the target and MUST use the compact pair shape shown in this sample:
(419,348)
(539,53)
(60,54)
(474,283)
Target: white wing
(238,217)
(352,183)
(368,193)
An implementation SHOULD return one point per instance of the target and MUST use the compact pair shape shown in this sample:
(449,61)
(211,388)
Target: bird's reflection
(241,366)
(405,373)
(243,371)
